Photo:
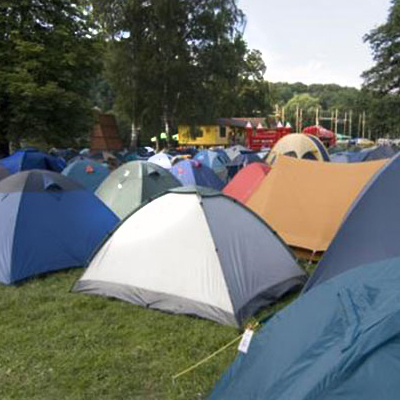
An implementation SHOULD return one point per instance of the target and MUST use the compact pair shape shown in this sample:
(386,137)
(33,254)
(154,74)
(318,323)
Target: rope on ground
(204,360)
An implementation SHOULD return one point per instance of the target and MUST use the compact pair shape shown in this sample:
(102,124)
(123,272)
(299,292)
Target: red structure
(327,137)
(260,137)
(246,181)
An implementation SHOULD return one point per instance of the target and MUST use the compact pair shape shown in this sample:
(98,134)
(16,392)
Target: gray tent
(371,230)
(194,251)
(4,173)
(132,184)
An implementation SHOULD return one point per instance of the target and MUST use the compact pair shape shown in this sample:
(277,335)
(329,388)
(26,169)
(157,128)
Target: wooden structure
(104,135)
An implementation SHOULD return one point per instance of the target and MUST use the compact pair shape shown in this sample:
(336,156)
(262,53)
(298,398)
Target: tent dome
(341,340)
(214,161)
(194,251)
(133,183)
(299,145)
(27,159)
(193,172)
(88,173)
(371,229)
(161,159)
(47,222)
(246,181)
(305,201)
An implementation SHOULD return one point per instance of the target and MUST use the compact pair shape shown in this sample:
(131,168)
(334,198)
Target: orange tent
(306,201)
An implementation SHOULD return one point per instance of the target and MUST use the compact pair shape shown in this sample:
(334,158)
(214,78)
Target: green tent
(133,183)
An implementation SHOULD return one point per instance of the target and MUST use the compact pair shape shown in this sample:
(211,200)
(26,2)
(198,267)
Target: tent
(194,251)
(47,222)
(30,158)
(161,159)
(222,154)
(369,154)
(212,160)
(339,341)
(306,201)
(88,173)
(246,181)
(193,172)
(371,230)
(241,161)
(299,145)
(4,173)
(133,183)
(236,150)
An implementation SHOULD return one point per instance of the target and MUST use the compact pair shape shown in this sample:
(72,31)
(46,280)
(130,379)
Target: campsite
(197,204)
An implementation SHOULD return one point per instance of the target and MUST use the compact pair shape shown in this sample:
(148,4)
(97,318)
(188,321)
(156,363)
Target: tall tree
(384,76)
(49,56)
(173,59)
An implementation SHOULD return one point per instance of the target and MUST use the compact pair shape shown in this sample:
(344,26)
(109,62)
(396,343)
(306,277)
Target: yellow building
(225,132)
(203,135)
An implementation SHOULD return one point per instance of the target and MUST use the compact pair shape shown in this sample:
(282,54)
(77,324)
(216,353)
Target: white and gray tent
(132,184)
(194,251)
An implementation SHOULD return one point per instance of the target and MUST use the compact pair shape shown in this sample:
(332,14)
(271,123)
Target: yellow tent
(306,201)
(299,145)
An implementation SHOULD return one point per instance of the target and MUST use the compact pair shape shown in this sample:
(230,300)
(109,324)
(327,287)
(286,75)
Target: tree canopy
(49,55)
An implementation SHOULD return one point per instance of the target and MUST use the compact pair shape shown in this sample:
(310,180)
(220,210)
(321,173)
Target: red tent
(246,181)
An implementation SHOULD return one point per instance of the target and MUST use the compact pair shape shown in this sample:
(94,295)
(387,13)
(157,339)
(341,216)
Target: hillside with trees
(156,64)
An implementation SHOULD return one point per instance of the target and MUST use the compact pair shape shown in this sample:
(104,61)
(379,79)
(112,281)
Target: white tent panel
(173,259)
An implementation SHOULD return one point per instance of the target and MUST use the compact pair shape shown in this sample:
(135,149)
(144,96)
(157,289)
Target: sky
(313,41)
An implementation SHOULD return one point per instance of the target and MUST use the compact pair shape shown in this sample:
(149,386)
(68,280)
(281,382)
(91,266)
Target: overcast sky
(313,41)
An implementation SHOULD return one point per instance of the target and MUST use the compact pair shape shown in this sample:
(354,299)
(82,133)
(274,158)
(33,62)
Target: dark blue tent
(88,173)
(212,160)
(28,159)
(193,172)
(47,222)
(371,230)
(222,155)
(370,154)
(240,161)
(339,341)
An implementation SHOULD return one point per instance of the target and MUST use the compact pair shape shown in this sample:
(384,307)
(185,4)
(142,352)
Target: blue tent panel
(339,341)
(88,173)
(194,173)
(28,159)
(48,222)
(371,229)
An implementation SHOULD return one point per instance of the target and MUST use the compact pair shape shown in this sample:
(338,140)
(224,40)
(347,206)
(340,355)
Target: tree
(384,76)
(305,102)
(49,55)
(175,60)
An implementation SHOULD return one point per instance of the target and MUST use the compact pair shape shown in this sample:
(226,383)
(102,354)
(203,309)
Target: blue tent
(193,172)
(28,159)
(339,341)
(371,230)
(88,173)
(370,154)
(47,222)
(212,160)
(222,155)
(240,161)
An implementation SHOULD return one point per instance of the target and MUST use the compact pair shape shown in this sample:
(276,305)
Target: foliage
(384,76)
(49,55)
(178,61)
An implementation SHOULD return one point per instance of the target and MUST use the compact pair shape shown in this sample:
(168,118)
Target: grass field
(60,345)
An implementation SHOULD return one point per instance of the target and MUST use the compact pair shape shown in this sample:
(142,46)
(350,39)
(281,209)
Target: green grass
(60,345)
